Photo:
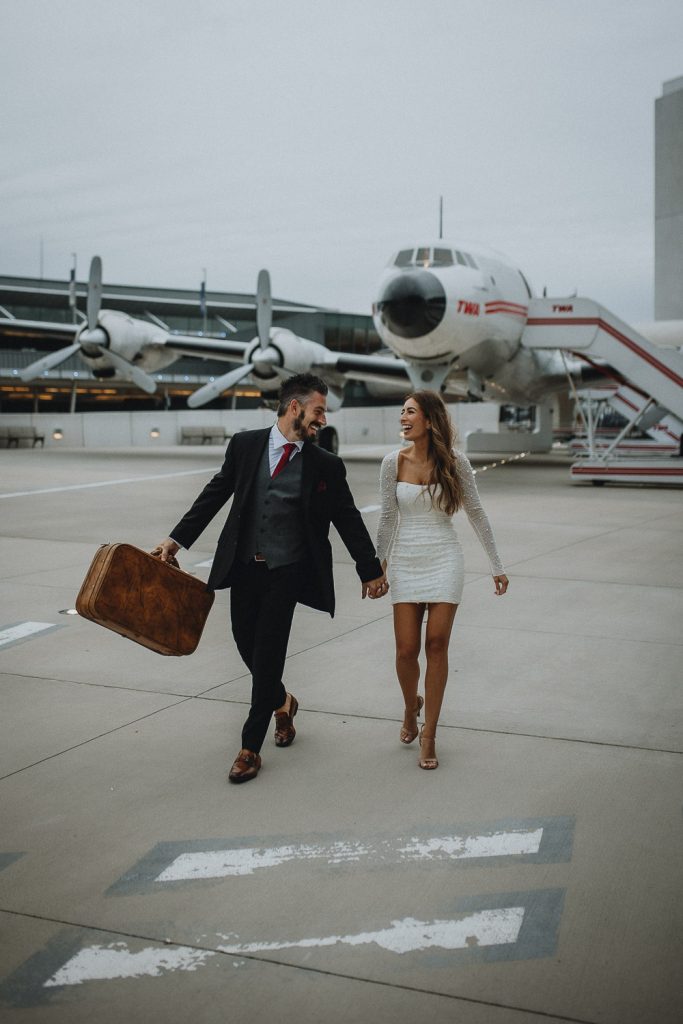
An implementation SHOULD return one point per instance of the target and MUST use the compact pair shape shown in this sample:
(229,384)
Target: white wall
(476,424)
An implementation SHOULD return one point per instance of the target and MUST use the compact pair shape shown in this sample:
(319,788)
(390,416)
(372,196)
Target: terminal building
(669,202)
(229,315)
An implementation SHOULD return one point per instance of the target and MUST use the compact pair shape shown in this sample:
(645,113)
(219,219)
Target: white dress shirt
(276,443)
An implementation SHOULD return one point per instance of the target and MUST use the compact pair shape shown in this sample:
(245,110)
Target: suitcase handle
(172,561)
(156,553)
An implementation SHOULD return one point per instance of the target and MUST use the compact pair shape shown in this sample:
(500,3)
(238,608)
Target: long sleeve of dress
(388,518)
(476,515)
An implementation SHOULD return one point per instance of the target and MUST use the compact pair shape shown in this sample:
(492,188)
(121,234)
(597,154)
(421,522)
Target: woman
(422,487)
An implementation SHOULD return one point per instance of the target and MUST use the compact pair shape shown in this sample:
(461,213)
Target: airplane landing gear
(329,440)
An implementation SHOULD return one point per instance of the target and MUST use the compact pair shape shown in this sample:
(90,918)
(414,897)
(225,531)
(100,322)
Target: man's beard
(298,427)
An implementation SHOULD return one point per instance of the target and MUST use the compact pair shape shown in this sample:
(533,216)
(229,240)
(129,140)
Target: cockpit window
(426,256)
(404,258)
(470,261)
(442,258)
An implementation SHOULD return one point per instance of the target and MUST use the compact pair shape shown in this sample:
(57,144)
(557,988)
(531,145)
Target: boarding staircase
(662,430)
(647,391)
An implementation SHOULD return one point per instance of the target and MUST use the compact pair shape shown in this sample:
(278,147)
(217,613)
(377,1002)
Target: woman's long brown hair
(441,441)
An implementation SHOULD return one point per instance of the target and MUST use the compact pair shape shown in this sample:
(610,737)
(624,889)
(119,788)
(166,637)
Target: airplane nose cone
(412,304)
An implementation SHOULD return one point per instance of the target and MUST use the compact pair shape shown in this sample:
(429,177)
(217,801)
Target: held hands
(501,584)
(375,588)
(166,551)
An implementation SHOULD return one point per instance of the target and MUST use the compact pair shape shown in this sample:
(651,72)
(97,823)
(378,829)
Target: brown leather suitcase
(147,600)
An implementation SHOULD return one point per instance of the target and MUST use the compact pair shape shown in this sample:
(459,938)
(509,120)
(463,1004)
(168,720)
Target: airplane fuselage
(456,316)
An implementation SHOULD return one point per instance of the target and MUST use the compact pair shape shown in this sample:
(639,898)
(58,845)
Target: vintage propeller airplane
(468,320)
(456,316)
(113,343)
(452,318)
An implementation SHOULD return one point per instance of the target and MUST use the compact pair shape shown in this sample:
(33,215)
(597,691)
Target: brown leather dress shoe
(245,766)
(284,724)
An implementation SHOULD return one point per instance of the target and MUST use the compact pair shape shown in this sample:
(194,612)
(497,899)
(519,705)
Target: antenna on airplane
(545,291)
(440,217)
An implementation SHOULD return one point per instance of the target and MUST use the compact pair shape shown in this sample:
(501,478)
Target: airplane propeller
(216,387)
(94,297)
(47,362)
(92,340)
(264,357)
(264,309)
(132,373)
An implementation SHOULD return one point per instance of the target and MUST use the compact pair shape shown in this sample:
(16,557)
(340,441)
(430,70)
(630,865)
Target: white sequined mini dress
(426,563)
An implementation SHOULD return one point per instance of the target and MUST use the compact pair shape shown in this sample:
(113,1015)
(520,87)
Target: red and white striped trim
(625,471)
(502,306)
(594,321)
(645,448)
(658,426)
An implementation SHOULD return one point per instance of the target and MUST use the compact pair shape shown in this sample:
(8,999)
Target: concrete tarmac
(535,876)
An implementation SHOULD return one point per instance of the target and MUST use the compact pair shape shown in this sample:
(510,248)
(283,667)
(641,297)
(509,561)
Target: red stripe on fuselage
(502,307)
(520,305)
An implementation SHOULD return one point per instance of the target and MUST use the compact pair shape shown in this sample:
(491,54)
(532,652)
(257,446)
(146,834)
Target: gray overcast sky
(315,136)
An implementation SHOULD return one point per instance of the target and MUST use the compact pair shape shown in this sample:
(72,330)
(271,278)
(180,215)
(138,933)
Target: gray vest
(274,525)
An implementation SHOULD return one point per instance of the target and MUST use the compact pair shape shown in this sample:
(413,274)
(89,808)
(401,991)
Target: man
(274,549)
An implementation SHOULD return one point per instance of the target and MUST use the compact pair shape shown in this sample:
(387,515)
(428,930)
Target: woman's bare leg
(439,625)
(408,634)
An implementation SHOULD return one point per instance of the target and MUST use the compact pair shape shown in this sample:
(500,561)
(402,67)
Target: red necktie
(284,459)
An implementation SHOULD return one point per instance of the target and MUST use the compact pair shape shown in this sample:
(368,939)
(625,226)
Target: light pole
(72,289)
(202,300)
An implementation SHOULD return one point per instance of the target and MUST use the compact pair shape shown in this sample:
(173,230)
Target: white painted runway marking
(247,860)
(497,927)
(370,508)
(204,565)
(101,963)
(483,929)
(486,928)
(107,483)
(11,634)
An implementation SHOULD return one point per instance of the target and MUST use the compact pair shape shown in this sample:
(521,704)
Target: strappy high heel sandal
(428,763)
(406,735)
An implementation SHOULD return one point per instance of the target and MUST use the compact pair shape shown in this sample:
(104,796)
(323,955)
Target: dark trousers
(262,603)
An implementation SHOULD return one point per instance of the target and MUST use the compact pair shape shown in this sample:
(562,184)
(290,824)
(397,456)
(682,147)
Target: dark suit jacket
(326,499)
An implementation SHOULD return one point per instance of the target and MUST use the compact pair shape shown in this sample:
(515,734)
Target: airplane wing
(189,345)
(353,366)
(205,347)
(384,370)
(10,327)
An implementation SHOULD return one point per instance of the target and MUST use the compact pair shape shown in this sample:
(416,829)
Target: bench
(12,435)
(203,435)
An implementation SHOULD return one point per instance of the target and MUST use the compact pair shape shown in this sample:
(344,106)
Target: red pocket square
(322,486)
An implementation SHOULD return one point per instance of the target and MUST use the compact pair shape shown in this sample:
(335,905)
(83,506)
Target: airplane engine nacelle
(286,351)
(125,336)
